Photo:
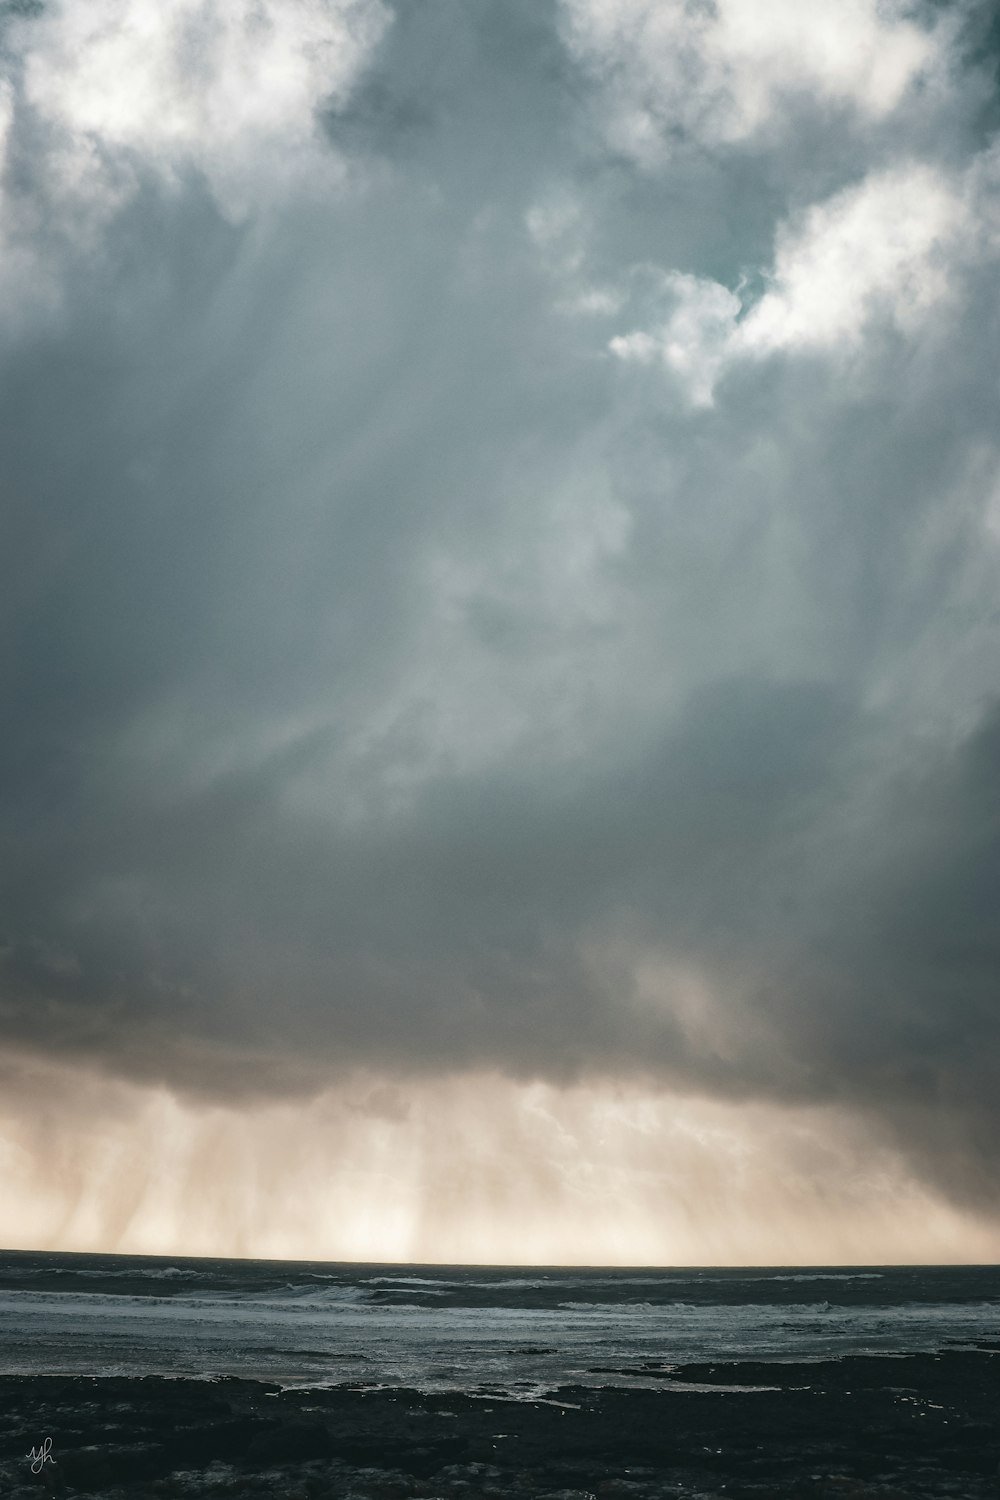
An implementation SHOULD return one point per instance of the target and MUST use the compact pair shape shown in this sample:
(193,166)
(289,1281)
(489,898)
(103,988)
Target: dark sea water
(517,1331)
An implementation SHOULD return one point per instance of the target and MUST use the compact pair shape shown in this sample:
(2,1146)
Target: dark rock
(923,1427)
(291,1442)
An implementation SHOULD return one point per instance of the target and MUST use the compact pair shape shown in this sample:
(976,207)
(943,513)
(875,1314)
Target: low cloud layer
(378,1171)
(501,514)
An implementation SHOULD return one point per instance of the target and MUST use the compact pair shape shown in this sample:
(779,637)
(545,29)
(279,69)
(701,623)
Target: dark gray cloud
(391,673)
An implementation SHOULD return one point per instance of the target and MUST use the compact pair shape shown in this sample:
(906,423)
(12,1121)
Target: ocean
(512,1331)
(144,1378)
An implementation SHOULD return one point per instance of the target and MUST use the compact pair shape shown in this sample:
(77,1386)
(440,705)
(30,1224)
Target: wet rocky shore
(856,1429)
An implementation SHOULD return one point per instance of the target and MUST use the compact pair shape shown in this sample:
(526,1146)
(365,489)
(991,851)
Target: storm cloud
(501,551)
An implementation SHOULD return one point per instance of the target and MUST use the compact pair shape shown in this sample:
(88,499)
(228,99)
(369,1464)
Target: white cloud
(228,88)
(695,340)
(722,72)
(209,82)
(881,251)
(105,95)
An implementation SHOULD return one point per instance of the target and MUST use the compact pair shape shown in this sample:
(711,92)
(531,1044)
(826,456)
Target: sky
(499,629)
